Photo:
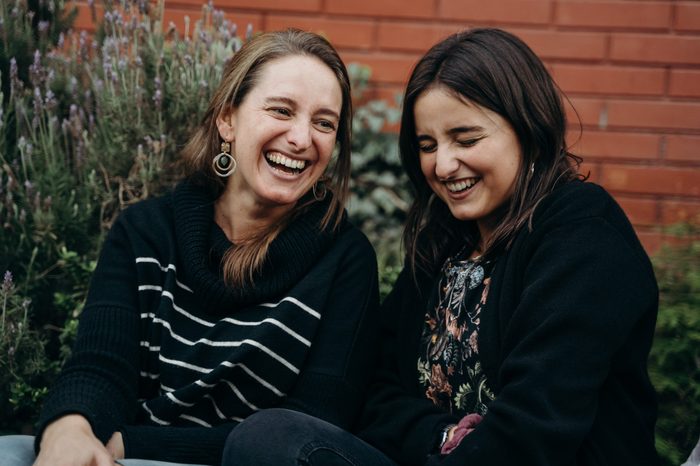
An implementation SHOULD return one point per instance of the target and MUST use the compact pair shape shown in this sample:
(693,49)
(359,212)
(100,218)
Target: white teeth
(278,158)
(456,186)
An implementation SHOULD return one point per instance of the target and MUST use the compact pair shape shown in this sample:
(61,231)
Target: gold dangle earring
(224,163)
(319,190)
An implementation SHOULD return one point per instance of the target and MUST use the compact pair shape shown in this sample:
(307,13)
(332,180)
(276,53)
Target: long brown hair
(240,75)
(498,71)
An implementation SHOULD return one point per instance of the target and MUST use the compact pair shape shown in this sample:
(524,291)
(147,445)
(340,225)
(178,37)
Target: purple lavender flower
(29,188)
(7,281)
(50,100)
(36,71)
(158,98)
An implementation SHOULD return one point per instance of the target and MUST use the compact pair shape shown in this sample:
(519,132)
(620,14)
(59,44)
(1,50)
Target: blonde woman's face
(469,155)
(284,131)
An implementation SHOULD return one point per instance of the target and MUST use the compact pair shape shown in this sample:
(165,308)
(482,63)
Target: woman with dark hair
(242,290)
(519,330)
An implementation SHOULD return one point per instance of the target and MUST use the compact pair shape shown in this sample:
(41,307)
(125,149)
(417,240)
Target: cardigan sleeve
(586,308)
(333,381)
(396,419)
(99,379)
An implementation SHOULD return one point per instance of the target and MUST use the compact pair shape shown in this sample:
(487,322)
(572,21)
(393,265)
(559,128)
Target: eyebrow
(453,131)
(464,129)
(292,103)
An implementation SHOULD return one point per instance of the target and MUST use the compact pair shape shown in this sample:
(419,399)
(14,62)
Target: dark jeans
(280,437)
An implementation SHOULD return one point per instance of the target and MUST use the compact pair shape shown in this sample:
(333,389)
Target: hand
(457,433)
(69,441)
(115,446)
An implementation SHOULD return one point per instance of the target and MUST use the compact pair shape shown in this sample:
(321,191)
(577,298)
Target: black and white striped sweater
(173,358)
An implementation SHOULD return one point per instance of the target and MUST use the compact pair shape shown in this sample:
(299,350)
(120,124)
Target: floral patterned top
(449,366)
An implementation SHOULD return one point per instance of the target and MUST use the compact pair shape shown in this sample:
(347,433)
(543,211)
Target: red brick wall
(631,68)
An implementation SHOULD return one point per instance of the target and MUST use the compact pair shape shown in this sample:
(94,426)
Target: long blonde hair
(243,260)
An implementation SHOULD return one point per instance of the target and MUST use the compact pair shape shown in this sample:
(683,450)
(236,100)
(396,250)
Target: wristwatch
(444,435)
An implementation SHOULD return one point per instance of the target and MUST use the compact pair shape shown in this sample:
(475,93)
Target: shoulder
(583,203)
(583,218)
(352,245)
(150,217)
(576,200)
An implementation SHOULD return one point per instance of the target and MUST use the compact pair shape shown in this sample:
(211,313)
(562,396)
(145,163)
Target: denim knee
(17,450)
(280,437)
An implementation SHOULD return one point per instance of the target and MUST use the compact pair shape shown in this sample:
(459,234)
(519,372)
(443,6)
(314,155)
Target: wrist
(444,435)
(69,421)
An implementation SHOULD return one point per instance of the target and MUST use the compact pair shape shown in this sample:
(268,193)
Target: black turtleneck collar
(290,255)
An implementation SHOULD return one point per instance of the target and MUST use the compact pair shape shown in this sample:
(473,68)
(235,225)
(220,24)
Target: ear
(226,123)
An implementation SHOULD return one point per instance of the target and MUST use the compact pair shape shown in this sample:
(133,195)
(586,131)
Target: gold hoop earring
(319,190)
(224,163)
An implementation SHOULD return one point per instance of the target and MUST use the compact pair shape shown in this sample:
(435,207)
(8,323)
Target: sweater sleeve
(196,445)
(586,311)
(332,383)
(395,418)
(99,379)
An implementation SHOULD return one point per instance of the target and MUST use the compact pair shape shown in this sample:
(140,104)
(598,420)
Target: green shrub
(24,368)
(380,198)
(674,363)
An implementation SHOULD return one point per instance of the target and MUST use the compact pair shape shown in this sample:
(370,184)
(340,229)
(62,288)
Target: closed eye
(281,111)
(326,126)
(468,142)
(426,144)
(427,148)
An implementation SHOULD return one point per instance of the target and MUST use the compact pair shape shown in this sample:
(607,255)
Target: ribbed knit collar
(290,255)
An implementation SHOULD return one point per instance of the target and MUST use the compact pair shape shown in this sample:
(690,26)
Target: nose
(299,135)
(446,162)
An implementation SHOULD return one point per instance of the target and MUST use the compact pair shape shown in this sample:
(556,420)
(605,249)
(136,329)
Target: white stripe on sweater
(216,408)
(175,400)
(196,420)
(153,417)
(294,301)
(153,260)
(222,344)
(230,320)
(240,396)
(259,379)
(254,343)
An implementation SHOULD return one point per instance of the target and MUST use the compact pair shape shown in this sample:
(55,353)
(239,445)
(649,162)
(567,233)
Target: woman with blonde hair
(243,289)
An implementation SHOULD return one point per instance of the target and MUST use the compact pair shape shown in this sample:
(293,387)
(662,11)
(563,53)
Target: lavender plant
(24,367)
(94,126)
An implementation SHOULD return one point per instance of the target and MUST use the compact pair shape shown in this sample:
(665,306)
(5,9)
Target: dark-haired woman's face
(469,155)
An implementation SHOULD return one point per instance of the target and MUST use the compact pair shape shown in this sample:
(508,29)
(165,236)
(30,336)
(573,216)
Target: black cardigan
(173,358)
(564,341)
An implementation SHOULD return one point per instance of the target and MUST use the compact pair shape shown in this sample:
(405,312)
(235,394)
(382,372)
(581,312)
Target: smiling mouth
(461,185)
(285,164)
